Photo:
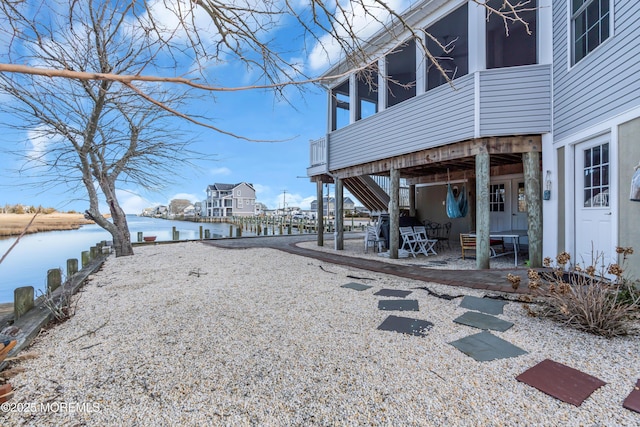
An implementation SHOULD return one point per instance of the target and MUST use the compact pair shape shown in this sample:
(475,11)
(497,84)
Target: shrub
(594,298)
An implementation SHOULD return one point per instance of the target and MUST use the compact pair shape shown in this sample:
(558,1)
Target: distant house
(177,207)
(225,200)
(330,207)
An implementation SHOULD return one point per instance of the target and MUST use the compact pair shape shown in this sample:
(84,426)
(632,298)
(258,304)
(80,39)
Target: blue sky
(274,168)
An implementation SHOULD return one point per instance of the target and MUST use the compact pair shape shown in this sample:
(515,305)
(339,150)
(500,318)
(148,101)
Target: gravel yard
(189,334)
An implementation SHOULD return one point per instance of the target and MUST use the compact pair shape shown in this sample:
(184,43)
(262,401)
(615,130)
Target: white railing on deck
(318,150)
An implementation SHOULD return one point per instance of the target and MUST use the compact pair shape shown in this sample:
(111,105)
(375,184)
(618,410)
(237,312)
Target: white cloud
(39,142)
(365,17)
(223,171)
(131,202)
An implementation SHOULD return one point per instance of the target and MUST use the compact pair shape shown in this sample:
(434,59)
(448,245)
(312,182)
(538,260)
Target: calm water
(28,262)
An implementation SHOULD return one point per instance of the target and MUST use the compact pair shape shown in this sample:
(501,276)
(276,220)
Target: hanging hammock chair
(457,207)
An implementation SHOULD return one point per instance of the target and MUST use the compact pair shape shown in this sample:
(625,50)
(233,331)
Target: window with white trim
(589,26)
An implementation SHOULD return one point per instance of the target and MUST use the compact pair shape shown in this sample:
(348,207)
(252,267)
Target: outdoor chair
(409,241)
(468,242)
(444,234)
(427,243)
(373,239)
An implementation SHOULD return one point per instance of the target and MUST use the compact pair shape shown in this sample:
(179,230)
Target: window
(367,92)
(401,73)
(517,47)
(496,198)
(340,106)
(452,32)
(522,198)
(596,176)
(589,26)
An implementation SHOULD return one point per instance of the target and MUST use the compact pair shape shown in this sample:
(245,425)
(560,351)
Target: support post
(394,214)
(339,232)
(532,189)
(482,210)
(319,213)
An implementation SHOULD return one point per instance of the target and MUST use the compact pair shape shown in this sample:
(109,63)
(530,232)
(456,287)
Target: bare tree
(96,134)
(87,76)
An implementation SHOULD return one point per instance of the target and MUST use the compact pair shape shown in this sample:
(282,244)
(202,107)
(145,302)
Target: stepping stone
(632,402)
(483,321)
(405,325)
(485,305)
(560,381)
(392,293)
(484,347)
(356,286)
(398,305)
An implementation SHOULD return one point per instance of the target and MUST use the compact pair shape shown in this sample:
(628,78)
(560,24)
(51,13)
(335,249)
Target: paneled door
(593,226)
(507,205)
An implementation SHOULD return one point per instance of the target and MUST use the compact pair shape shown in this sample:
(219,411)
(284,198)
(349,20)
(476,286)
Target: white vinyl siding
(512,101)
(603,84)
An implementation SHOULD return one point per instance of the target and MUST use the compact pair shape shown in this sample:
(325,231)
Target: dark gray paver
(393,293)
(398,305)
(356,286)
(560,381)
(406,325)
(485,305)
(484,347)
(483,321)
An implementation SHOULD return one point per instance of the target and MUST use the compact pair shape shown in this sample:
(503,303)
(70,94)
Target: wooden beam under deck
(457,156)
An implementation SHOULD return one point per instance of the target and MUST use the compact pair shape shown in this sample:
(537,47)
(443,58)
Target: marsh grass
(14,224)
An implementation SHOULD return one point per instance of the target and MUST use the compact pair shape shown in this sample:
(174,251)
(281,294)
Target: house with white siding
(555,109)
(226,200)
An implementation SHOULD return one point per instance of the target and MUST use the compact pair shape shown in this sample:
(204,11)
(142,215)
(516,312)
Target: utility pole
(284,201)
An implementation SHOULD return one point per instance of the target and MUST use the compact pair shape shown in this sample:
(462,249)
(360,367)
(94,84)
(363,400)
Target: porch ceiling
(455,159)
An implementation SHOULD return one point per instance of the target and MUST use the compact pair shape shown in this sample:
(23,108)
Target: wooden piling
(86,259)
(72,266)
(54,279)
(23,300)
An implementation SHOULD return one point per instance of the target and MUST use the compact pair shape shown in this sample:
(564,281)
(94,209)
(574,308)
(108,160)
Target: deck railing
(318,150)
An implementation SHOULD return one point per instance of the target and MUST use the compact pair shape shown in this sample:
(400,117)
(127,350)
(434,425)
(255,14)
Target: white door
(500,205)
(593,227)
(507,205)
(519,206)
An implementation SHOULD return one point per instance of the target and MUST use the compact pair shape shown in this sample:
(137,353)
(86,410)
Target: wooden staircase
(368,192)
